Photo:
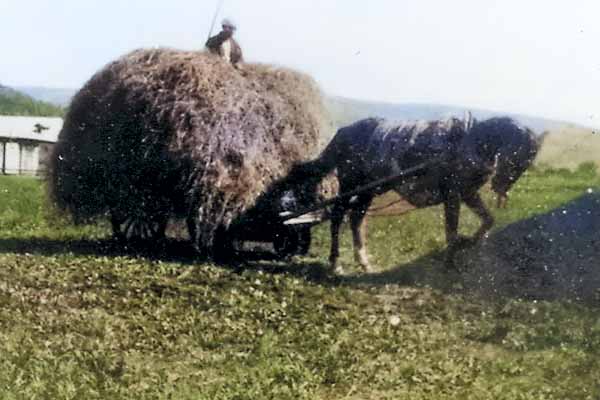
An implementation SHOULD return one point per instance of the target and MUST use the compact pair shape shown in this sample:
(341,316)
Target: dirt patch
(548,257)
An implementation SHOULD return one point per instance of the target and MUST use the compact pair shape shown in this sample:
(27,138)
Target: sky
(538,57)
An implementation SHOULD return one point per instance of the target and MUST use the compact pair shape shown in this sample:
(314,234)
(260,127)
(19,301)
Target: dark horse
(460,157)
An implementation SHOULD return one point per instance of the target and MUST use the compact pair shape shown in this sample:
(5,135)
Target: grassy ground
(83,318)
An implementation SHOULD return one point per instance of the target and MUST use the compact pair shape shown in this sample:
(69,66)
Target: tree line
(16,103)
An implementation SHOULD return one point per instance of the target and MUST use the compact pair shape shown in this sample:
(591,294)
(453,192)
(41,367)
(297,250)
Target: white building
(25,144)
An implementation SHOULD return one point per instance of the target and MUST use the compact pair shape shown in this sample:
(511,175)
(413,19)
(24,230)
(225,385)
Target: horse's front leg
(337,216)
(451,214)
(358,224)
(477,205)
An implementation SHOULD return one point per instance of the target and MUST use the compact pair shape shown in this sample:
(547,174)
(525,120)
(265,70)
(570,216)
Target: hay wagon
(165,134)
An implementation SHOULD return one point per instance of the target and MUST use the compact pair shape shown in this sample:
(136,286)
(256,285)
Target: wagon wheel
(137,228)
(223,248)
(286,243)
(304,239)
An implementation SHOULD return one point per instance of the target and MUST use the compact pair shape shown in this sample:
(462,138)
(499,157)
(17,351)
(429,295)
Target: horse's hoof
(464,242)
(336,270)
(362,259)
(368,268)
(450,265)
(482,238)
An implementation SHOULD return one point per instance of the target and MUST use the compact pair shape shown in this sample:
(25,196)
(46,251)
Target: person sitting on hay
(224,45)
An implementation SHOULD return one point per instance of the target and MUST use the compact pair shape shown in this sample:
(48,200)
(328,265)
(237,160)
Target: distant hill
(13,102)
(569,147)
(565,145)
(7,91)
(345,111)
(58,96)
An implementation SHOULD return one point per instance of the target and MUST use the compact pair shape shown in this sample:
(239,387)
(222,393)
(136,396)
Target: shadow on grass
(550,256)
(169,250)
(547,257)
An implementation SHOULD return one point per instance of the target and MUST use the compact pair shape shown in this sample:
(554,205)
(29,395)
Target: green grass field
(83,318)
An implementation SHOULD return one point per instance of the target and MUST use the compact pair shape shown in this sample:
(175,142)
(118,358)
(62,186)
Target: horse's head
(514,157)
(513,147)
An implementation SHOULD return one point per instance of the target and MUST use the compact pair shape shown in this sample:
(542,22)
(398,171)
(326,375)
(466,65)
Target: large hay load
(162,133)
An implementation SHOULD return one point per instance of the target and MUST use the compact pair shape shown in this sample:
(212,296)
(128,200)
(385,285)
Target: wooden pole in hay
(214,20)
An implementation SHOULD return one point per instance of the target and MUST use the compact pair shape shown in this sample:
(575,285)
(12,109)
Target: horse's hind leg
(477,205)
(337,216)
(358,223)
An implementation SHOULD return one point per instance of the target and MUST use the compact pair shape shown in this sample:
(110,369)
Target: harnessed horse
(459,155)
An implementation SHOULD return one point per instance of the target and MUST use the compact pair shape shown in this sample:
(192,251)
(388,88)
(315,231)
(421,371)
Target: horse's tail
(315,170)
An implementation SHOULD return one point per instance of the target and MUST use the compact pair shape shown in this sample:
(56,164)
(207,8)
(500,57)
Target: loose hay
(162,133)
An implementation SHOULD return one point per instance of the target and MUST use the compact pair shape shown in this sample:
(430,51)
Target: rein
(378,184)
